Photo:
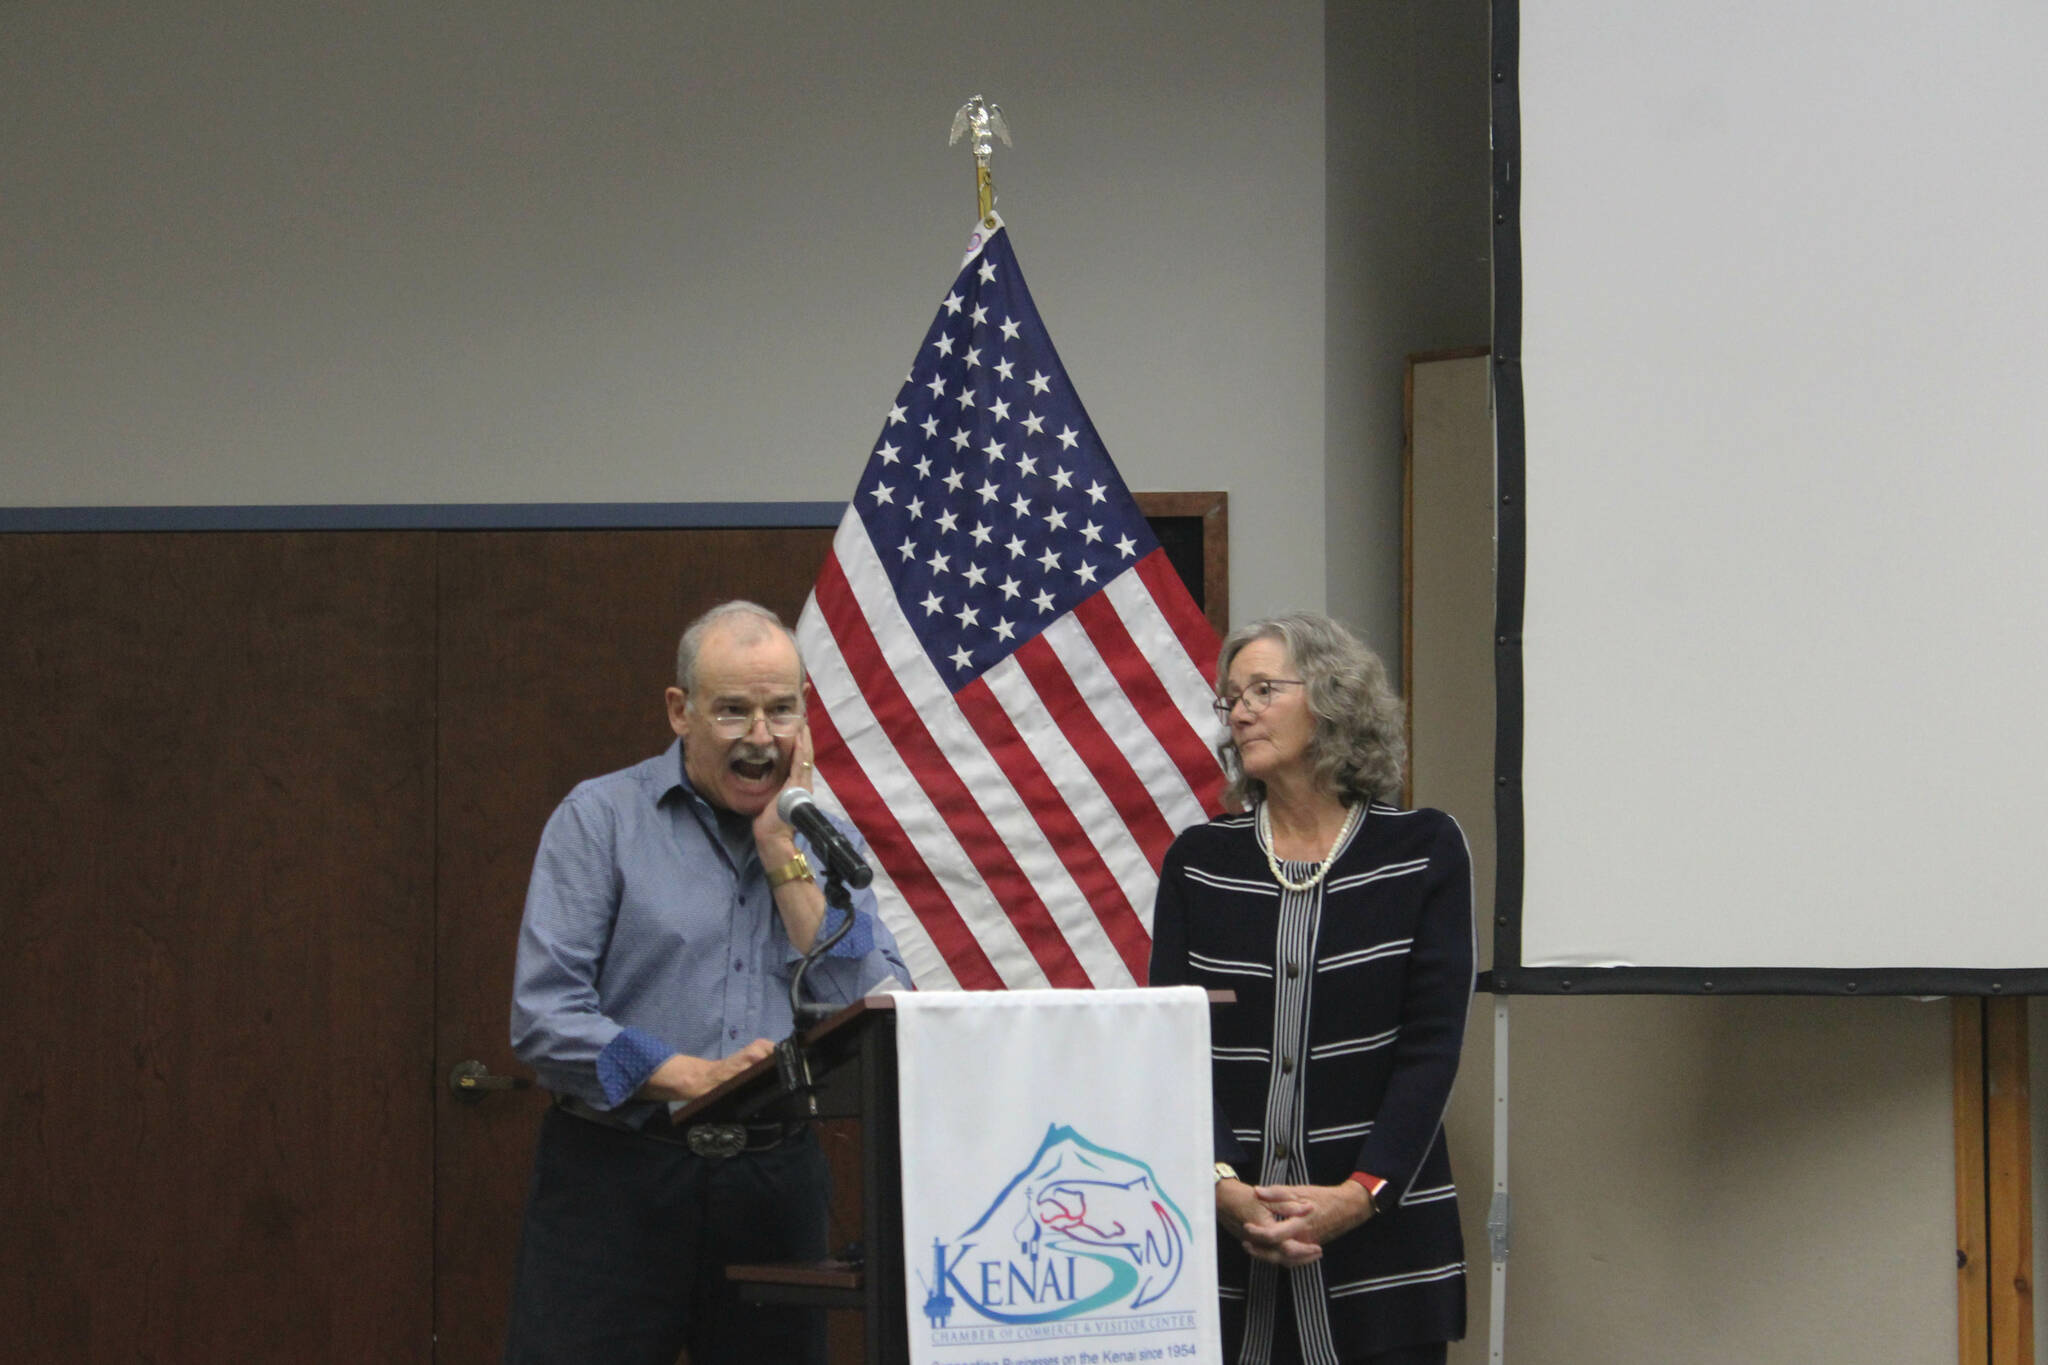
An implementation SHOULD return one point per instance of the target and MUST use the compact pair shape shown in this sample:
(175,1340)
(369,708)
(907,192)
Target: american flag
(1009,691)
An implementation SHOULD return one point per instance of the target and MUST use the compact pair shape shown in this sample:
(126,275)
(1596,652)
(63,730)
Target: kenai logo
(1080,1228)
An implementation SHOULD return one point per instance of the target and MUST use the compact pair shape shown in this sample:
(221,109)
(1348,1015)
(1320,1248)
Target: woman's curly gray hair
(1360,744)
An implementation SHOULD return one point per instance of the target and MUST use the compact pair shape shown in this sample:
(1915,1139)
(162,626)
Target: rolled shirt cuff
(858,943)
(859,940)
(626,1063)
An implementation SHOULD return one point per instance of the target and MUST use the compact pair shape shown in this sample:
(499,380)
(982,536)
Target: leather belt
(721,1140)
(717,1141)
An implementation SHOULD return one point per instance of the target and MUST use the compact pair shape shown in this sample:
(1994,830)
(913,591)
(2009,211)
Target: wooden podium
(851,1059)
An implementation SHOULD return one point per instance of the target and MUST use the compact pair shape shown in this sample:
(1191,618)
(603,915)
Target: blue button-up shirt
(643,937)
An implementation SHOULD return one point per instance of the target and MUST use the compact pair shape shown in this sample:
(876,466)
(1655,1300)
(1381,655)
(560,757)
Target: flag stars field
(992,409)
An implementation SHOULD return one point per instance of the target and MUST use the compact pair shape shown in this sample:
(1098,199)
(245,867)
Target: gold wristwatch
(797,869)
(1225,1171)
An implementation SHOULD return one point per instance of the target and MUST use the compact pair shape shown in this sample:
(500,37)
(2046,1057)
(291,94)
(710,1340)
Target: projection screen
(1773,624)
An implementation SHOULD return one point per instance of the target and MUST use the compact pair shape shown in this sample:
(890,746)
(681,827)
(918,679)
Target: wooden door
(216,900)
(554,650)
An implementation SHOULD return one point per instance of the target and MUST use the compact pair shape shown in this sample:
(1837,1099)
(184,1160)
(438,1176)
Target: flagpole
(984,120)
(990,559)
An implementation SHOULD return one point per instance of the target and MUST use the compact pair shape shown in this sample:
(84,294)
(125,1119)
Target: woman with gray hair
(1344,924)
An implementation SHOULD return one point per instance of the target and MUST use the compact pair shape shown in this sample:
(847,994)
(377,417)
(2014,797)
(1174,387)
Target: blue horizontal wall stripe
(437,516)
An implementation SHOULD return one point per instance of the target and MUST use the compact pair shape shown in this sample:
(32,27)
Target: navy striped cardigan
(1337,1057)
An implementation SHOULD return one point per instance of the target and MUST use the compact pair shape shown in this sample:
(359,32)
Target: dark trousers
(1287,1345)
(623,1254)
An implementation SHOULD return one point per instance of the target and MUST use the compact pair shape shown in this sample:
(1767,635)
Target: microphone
(798,808)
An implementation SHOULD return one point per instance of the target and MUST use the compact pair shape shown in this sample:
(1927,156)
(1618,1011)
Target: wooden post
(2009,1199)
(1973,1302)
(1994,1184)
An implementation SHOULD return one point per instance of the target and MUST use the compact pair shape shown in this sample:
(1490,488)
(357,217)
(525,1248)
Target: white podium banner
(1058,1198)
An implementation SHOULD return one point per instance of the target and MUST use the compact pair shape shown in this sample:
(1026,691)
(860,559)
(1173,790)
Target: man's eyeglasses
(1256,697)
(733,721)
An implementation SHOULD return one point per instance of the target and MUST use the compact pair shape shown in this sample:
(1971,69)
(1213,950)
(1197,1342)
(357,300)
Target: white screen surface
(1785,613)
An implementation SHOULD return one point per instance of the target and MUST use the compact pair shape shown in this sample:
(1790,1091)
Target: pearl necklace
(1264,824)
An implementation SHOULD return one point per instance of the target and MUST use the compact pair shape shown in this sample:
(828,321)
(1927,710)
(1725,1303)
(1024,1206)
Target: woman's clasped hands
(1290,1224)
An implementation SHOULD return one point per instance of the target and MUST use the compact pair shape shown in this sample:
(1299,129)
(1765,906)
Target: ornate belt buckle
(718,1140)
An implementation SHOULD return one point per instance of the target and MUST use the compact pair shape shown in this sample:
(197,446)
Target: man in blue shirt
(669,906)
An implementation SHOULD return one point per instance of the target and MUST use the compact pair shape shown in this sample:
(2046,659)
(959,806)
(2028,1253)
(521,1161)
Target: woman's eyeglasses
(1256,697)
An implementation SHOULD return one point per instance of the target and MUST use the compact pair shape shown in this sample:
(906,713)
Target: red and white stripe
(1017,827)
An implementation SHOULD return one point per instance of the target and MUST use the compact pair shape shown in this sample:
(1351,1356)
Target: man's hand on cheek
(772,835)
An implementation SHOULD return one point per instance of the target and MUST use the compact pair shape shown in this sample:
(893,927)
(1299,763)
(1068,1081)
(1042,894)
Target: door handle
(471,1080)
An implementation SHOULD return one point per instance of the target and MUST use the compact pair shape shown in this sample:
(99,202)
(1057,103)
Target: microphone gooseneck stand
(791,1063)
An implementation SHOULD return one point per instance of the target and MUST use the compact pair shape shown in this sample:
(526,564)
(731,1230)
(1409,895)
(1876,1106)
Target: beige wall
(1409,267)
(1767,1179)
(455,251)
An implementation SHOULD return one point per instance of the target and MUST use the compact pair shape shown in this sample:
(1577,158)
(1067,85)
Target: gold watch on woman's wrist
(1225,1171)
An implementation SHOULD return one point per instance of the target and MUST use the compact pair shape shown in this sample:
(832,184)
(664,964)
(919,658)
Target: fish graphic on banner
(1091,1229)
